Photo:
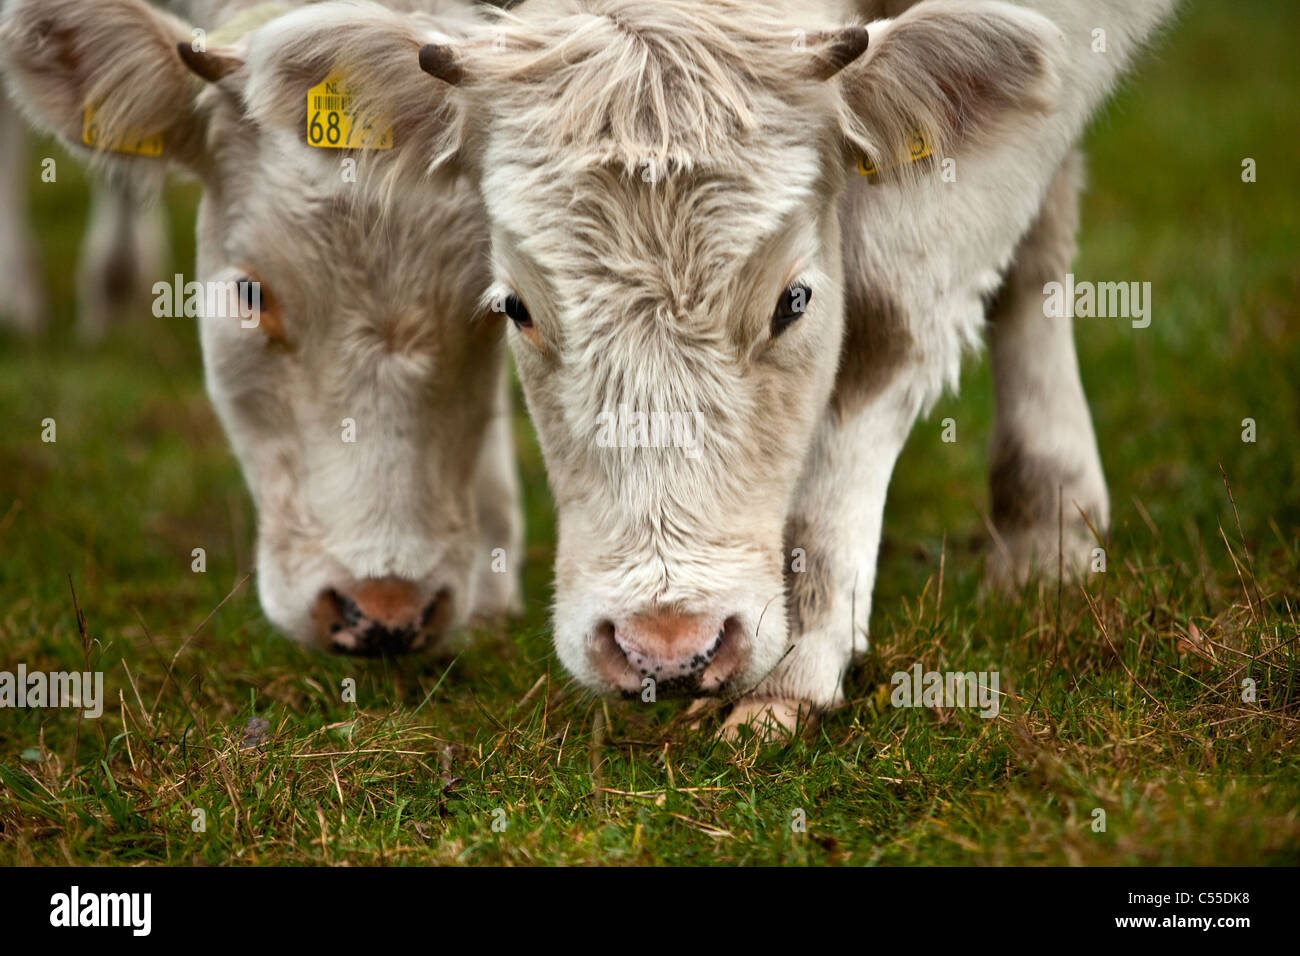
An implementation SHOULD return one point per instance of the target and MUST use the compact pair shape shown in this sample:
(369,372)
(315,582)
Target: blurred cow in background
(124,249)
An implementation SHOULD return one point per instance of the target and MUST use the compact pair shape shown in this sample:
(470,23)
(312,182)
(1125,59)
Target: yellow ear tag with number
(918,147)
(130,143)
(333,123)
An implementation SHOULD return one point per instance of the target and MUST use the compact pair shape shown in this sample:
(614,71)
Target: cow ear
(371,56)
(103,75)
(954,73)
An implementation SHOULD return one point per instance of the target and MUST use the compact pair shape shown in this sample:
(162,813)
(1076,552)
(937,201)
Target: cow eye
(792,304)
(250,294)
(257,304)
(518,312)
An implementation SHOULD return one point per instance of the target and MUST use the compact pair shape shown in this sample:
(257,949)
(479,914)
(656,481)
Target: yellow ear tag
(918,147)
(130,143)
(332,121)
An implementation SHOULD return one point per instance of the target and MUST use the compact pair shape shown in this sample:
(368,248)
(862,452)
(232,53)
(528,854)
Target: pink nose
(690,653)
(380,616)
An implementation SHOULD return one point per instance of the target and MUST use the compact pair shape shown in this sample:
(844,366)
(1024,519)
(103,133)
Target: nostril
(609,656)
(434,620)
(726,654)
(604,640)
(344,609)
(336,617)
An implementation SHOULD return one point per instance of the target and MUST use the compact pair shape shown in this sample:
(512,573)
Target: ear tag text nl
(333,123)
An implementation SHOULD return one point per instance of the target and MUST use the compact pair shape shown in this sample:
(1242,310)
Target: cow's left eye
(258,305)
(518,312)
(792,304)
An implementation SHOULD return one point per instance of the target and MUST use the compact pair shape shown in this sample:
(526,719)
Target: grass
(1123,697)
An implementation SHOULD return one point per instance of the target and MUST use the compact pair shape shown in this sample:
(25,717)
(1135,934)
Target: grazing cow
(123,250)
(678,230)
(346,348)
(22,303)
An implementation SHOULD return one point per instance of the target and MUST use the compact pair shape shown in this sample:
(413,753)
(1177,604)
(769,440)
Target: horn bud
(845,47)
(213,67)
(439,60)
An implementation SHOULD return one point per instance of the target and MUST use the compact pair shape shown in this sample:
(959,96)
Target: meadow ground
(1123,695)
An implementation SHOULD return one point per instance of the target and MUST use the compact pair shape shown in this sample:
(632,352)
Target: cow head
(663,180)
(359,372)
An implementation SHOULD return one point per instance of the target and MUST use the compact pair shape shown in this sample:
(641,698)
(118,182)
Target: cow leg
(832,541)
(886,377)
(1044,467)
(122,256)
(500,515)
(22,303)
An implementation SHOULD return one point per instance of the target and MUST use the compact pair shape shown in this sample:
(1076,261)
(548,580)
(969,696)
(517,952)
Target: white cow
(679,227)
(347,349)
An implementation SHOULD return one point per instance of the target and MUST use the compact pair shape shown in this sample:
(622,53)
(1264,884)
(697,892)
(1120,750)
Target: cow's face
(358,404)
(677,319)
(354,368)
(662,182)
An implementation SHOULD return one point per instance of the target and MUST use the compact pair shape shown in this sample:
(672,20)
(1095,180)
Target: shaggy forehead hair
(681,84)
(657,140)
(650,157)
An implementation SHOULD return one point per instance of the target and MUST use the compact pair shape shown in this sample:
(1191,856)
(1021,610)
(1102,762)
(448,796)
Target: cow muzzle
(380,616)
(683,654)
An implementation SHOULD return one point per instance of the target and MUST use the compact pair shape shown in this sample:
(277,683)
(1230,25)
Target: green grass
(1109,706)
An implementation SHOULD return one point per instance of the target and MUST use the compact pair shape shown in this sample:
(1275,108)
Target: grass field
(1124,696)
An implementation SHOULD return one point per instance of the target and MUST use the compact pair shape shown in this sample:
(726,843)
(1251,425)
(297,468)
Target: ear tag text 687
(333,123)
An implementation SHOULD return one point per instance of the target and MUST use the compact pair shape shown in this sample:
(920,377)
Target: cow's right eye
(790,307)
(518,312)
(250,293)
(257,308)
